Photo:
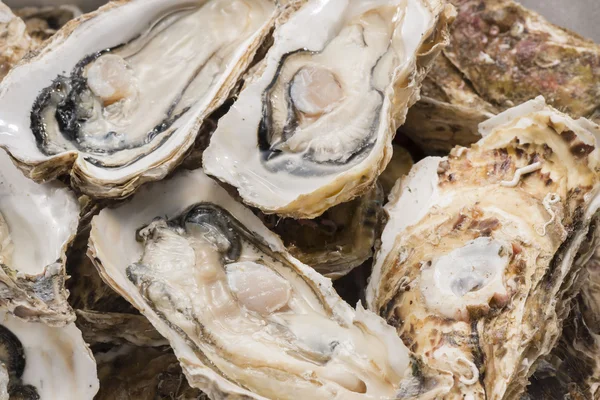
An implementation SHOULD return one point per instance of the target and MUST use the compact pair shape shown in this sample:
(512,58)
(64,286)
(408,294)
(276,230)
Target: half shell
(478,259)
(111,100)
(313,126)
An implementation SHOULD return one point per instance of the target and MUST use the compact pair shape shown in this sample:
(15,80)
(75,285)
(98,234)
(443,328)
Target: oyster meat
(37,224)
(339,240)
(478,259)
(245,319)
(39,362)
(116,97)
(500,55)
(313,126)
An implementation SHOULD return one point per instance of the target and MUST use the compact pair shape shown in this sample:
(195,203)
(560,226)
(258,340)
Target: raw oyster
(116,110)
(313,126)
(45,363)
(245,319)
(500,55)
(339,240)
(37,224)
(478,256)
(43,22)
(141,373)
(14,40)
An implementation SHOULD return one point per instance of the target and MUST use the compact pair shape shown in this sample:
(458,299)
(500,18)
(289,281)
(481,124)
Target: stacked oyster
(182,180)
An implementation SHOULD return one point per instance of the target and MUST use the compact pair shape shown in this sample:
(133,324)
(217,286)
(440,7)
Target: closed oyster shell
(141,373)
(108,100)
(245,319)
(500,55)
(339,240)
(313,126)
(478,259)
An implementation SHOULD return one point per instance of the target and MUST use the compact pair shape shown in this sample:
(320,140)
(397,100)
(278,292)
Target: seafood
(478,259)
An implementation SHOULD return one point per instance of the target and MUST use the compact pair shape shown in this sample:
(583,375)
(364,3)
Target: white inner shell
(254,331)
(36,221)
(338,84)
(467,276)
(58,363)
(263,313)
(209,42)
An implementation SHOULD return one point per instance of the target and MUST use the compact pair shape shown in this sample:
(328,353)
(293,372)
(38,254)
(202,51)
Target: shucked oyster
(339,240)
(116,97)
(39,362)
(37,224)
(14,40)
(246,320)
(500,55)
(479,253)
(314,125)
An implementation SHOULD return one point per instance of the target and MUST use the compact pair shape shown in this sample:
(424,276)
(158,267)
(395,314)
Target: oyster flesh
(500,55)
(43,362)
(478,259)
(339,240)
(37,224)
(245,319)
(116,97)
(313,126)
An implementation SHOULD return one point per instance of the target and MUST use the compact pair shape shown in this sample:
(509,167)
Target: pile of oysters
(298,199)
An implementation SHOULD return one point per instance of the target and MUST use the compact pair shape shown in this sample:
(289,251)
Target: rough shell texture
(478,259)
(14,42)
(141,373)
(500,55)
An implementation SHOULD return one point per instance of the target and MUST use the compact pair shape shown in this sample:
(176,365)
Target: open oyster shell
(37,224)
(500,55)
(313,126)
(479,254)
(245,319)
(108,99)
(44,363)
(14,40)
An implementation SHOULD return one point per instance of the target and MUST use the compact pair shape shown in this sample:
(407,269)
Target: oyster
(37,224)
(140,373)
(500,55)
(399,165)
(43,22)
(116,110)
(339,240)
(313,126)
(14,40)
(478,257)
(45,363)
(245,319)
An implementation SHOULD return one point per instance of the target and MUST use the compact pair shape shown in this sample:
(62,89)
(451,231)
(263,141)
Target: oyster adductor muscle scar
(245,318)
(116,97)
(478,258)
(313,126)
